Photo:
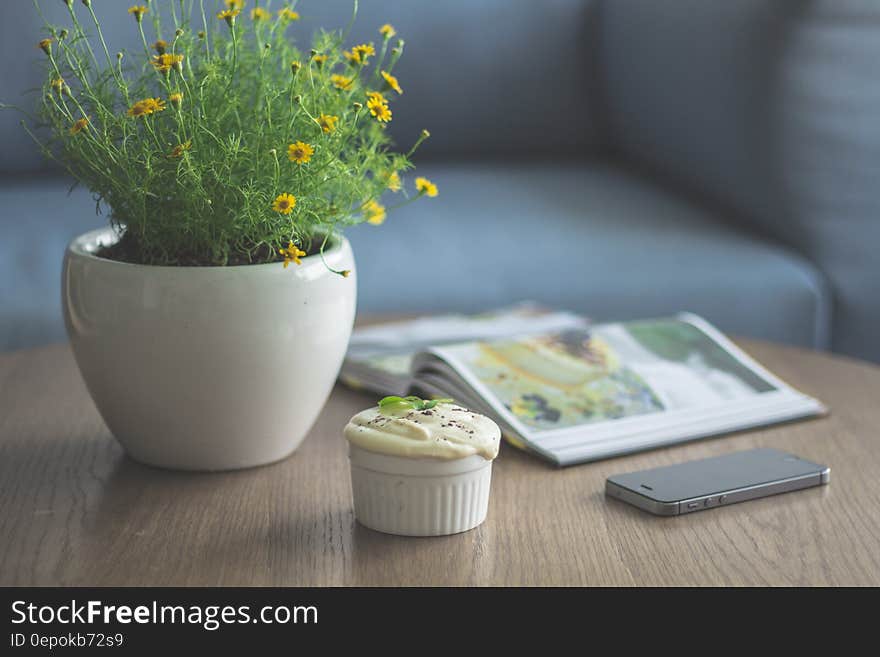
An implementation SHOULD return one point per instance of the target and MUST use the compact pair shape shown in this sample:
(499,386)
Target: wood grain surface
(74,510)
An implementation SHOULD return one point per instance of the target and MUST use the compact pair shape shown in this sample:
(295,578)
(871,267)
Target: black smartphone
(717,481)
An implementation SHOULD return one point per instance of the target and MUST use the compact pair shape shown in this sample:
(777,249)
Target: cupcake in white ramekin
(421,468)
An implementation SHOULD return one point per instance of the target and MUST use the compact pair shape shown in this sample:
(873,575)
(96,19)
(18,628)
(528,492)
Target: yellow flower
(146,107)
(160,46)
(284,204)
(57,85)
(229,15)
(387,30)
(288,14)
(379,109)
(259,14)
(300,152)
(45,45)
(138,12)
(319,60)
(327,122)
(426,187)
(179,150)
(291,253)
(393,181)
(374,212)
(341,81)
(382,113)
(176,98)
(234,4)
(79,126)
(363,51)
(352,57)
(392,82)
(375,96)
(295,66)
(167,61)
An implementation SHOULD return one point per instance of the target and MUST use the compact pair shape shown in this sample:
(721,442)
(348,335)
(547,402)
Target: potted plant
(210,319)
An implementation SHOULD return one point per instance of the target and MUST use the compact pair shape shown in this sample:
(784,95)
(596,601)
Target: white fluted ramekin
(419,496)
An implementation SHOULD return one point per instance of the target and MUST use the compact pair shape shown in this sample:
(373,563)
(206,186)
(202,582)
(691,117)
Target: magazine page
(380,357)
(588,393)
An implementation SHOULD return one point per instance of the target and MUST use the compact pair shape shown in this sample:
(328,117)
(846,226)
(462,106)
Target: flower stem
(104,45)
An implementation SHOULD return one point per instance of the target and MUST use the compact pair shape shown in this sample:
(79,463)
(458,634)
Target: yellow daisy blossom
(341,81)
(359,54)
(327,122)
(426,187)
(79,126)
(379,109)
(229,15)
(291,253)
(393,181)
(167,61)
(180,149)
(138,12)
(57,85)
(146,107)
(375,96)
(160,46)
(259,14)
(45,45)
(295,66)
(284,204)
(234,4)
(382,113)
(300,152)
(288,14)
(387,30)
(176,98)
(319,60)
(374,212)
(364,50)
(392,82)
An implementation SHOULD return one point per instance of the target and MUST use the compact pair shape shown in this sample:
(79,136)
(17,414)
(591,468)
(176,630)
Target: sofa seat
(593,238)
(588,237)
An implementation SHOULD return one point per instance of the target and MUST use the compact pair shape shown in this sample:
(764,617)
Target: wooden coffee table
(75,511)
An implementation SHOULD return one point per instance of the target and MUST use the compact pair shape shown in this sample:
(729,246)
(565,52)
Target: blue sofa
(621,158)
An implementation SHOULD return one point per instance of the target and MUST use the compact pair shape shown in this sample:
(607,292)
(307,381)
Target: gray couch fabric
(507,234)
(771,109)
(498,234)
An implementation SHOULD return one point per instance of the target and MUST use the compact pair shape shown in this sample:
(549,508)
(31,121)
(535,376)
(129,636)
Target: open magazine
(380,357)
(583,392)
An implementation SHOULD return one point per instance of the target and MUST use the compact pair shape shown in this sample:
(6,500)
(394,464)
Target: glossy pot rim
(85,245)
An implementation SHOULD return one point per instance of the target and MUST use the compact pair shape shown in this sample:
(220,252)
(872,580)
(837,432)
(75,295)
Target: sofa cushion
(592,238)
(37,220)
(771,108)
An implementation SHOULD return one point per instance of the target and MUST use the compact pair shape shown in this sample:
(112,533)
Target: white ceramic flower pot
(207,368)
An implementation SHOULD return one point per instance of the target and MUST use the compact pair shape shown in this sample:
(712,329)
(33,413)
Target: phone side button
(722,499)
(693,505)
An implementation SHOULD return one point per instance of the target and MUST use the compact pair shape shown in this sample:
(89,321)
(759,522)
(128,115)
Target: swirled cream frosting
(446,431)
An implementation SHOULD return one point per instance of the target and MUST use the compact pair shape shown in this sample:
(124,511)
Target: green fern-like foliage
(220,140)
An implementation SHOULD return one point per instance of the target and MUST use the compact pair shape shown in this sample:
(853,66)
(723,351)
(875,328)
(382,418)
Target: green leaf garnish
(394,402)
